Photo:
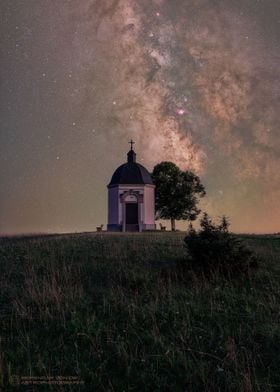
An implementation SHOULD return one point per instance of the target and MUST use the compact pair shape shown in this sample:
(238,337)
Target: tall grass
(116,311)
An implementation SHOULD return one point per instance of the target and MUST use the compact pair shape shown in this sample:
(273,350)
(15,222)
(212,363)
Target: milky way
(195,82)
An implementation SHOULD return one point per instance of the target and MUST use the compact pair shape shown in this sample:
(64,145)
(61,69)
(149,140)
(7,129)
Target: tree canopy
(177,193)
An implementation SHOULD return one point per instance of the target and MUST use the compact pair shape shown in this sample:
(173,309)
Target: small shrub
(214,249)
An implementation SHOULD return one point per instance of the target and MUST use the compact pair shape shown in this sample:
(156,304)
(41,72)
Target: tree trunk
(172,224)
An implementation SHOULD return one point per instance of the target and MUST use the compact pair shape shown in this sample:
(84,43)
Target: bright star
(180,111)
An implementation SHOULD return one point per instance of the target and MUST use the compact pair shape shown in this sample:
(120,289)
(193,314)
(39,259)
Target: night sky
(196,82)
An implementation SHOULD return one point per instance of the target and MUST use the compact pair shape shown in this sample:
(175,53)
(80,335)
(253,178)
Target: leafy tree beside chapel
(177,193)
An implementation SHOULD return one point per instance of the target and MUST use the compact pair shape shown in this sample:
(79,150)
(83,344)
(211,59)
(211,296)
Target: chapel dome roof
(131,172)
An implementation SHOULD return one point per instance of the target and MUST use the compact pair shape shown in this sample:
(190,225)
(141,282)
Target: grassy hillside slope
(116,311)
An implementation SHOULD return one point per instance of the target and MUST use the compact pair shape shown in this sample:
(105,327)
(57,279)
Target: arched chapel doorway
(130,201)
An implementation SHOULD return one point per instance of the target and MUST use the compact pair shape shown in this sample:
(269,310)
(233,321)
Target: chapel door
(131,217)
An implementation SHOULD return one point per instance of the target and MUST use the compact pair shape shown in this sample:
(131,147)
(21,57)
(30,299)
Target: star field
(195,82)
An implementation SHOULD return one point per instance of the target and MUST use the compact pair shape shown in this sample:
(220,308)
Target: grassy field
(116,312)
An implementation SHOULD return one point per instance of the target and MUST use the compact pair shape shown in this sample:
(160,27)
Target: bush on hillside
(213,248)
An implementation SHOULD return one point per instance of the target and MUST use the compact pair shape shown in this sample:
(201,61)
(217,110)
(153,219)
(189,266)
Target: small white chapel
(131,197)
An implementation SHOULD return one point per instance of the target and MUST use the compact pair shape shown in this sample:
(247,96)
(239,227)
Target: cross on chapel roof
(131,143)
(131,156)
